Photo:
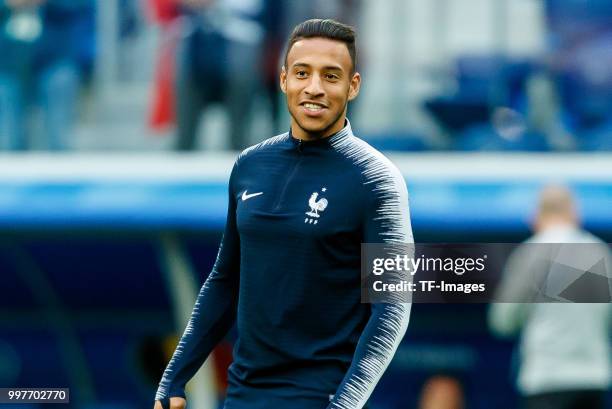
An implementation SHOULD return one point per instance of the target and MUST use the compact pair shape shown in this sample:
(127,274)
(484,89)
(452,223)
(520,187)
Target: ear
(283,80)
(354,86)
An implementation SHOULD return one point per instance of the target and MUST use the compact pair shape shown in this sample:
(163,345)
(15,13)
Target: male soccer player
(288,268)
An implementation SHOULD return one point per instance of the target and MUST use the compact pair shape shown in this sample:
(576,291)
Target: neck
(300,133)
(549,223)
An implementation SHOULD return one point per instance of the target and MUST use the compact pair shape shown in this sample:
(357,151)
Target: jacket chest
(298,204)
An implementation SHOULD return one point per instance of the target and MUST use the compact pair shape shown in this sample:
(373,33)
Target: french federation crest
(317,205)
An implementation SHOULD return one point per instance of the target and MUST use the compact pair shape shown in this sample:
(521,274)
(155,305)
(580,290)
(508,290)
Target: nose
(314,87)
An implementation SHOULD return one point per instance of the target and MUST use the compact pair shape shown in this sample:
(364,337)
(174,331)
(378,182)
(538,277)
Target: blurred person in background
(41,45)
(442,392)
(219,59)
(564,348)
(273,21)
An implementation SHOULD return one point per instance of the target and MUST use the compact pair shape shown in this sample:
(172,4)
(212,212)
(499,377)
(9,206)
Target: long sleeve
(213,314)
(386,220)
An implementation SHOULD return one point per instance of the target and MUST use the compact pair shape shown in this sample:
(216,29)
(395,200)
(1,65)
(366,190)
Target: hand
(175,403)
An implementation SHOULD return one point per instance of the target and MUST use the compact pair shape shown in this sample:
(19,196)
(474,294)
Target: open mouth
(313,108)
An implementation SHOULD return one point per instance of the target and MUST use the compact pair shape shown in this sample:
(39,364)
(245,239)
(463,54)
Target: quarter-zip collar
(328,141)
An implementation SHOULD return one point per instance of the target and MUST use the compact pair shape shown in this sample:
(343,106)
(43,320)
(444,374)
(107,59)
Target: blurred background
(120,121)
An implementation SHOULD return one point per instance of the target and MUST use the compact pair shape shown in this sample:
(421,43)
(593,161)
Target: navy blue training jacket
(288,275)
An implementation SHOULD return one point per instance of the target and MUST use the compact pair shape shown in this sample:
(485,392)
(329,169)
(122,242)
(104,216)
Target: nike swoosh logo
(245,196)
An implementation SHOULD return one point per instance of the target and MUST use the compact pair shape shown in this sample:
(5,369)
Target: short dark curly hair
(324,28)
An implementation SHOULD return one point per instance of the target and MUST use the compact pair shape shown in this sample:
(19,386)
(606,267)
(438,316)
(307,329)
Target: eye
(301,74)
(331,76)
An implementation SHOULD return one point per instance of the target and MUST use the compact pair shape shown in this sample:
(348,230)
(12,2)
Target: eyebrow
(328,67)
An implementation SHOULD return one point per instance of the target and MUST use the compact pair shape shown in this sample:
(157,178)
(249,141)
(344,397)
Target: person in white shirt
(564,347)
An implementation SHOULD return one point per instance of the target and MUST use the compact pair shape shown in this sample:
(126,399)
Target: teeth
(313,107)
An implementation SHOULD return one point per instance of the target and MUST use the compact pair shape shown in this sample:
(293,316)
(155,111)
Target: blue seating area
(580,102)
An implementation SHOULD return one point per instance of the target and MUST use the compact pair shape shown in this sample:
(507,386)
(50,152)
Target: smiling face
(318,80)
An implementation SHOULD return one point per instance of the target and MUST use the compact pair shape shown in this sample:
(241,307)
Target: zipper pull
(300,145)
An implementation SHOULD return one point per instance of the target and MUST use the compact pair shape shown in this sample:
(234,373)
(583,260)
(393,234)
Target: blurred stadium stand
(436,76)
